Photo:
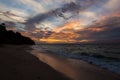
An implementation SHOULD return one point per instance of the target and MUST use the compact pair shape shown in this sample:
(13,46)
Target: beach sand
(17,64)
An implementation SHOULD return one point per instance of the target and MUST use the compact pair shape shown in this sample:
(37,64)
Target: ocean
(106,56)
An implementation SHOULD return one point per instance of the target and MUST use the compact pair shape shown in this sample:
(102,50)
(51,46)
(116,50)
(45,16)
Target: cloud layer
(63,20)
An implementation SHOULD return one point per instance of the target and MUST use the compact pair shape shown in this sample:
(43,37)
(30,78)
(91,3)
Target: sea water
(106,56)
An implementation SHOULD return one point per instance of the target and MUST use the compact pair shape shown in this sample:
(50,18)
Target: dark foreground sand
(17,64)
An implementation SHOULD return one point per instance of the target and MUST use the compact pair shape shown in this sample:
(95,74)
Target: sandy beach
(17,64)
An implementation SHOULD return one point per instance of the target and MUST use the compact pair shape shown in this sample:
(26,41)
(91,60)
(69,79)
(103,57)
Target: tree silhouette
(10,37)
(2,27)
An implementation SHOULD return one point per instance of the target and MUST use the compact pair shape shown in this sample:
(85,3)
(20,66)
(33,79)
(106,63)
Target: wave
(106,62)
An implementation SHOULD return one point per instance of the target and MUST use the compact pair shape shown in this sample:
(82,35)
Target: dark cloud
(70,7)
(57,12)
(108,29)
(73,7)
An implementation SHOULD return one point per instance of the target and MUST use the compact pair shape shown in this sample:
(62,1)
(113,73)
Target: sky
(63,21)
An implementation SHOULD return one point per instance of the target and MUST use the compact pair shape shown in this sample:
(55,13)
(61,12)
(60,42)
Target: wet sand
(74,69)
(17,64)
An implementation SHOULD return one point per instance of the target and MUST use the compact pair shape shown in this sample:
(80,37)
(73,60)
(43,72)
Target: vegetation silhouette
(10,37)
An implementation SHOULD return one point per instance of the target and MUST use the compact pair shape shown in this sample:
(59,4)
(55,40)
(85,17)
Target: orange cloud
(73,32)
(97,29)
(116,14)
(57,41)
(104,18)
(61,38)
(75,25)
(64,34)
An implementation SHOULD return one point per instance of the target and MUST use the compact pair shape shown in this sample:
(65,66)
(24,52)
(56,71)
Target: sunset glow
(67,21)
(96,29)
(57,41)
(75,25)
(60,39)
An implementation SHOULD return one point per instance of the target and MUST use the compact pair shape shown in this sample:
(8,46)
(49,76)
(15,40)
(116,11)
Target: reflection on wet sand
(74,69)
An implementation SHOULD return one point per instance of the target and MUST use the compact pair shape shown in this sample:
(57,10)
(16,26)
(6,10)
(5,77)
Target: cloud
(70,20)
(8,13)
(112,5)
(36,6)
(9,16)
(71,7)
(69,27)
(57,12)
(107,29)
(60,38)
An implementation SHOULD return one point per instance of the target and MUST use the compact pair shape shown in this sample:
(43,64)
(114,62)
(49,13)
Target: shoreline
(18,64)
(94,61)
(83,70)
(110,65)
